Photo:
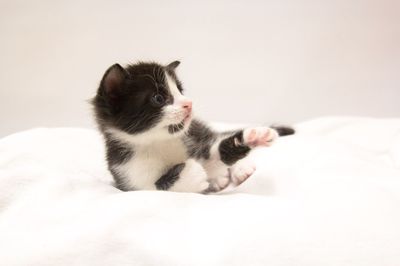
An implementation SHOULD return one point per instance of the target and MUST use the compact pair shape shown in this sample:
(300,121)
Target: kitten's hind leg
(218,176)
(241,170)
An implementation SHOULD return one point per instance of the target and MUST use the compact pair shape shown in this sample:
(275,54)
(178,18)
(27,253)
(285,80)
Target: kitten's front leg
(227,162)
(234,149)
(238,144)
(219,152)
(185,177)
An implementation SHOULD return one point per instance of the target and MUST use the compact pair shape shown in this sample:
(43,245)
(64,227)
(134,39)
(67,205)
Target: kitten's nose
(187,105)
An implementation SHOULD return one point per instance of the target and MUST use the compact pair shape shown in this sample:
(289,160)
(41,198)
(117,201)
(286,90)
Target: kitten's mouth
(187,118)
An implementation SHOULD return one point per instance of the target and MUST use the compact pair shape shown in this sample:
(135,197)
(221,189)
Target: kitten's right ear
(173,65)
(113,80)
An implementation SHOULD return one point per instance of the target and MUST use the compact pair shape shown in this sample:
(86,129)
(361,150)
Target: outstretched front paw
(259,136)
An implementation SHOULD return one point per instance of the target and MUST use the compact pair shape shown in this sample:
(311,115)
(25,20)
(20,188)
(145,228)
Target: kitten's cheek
(178,114)
(173,116)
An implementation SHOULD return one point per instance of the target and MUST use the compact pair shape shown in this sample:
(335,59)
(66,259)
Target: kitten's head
(142,98)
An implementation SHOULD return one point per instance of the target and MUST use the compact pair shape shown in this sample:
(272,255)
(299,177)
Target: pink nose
(187,104)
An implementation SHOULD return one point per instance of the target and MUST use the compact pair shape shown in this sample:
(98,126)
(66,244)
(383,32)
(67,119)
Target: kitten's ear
(113,80)
(173,65)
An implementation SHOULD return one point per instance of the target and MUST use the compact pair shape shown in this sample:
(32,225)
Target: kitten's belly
(150,162)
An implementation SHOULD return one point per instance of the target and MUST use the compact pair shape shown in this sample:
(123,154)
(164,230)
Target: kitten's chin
(179,128)
(188,119)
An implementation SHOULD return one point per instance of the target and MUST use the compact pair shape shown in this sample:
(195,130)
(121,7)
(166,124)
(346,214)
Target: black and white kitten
(154,143)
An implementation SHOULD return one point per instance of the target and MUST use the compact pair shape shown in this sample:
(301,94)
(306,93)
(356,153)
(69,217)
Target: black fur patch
(169,178)
(119,180)
(117,151)
(172,129)
(229,150)
(199,140)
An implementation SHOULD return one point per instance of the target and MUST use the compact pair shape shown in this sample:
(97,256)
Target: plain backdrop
(242,61)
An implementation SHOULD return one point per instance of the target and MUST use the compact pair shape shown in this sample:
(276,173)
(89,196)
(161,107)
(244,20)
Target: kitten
(154,143)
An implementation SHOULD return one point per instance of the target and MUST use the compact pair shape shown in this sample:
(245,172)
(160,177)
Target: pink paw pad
(259,136)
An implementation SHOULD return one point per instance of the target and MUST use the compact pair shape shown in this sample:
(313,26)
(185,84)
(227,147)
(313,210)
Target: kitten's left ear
(173,65)
(113,80)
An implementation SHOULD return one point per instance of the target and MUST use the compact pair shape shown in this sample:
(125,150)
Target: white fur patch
(217,171)
(173,88)
(151,158)
(156,133)
(175,113)
(193,178)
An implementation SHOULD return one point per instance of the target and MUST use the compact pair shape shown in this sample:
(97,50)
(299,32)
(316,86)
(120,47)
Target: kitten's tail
(284,130)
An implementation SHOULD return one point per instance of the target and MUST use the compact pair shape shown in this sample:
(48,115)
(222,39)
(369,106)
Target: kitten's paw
(241,171)
(218,184)
(193,178)
(259,136)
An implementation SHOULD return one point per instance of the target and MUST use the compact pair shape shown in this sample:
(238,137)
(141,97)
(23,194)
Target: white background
(242,61)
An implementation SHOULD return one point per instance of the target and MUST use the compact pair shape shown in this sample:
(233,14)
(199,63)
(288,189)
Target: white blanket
(329,195)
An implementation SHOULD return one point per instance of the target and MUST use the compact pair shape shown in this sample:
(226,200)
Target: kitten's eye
(158,100)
